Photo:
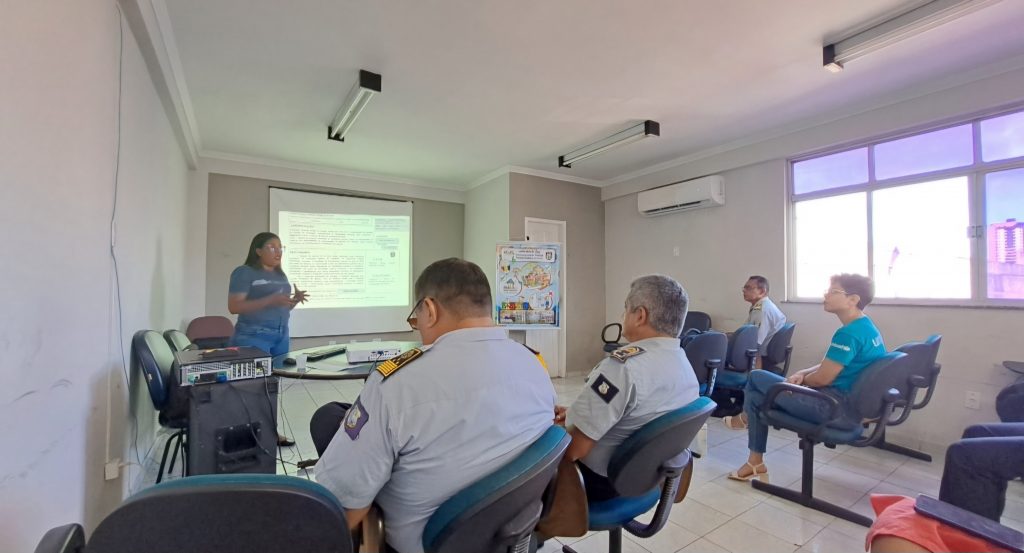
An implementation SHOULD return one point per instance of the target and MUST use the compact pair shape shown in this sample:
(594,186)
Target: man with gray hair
(635,384)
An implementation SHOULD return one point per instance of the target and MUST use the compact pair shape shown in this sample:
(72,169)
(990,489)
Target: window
(931,217)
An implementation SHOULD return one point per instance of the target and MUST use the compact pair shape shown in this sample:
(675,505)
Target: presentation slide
(352,255)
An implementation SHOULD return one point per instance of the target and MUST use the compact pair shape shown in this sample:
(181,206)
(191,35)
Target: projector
(372,352)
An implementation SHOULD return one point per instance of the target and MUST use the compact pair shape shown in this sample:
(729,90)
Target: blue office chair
(924,374)
(873,398)
(69,538)
(779,351)
(614,343)
(706,353)
(739,359)
(178,340)
(696,320)
(156,361)
(498,513)
(227,513)
(645,471)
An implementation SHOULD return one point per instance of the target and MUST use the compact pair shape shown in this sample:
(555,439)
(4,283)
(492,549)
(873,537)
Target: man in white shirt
(763,314)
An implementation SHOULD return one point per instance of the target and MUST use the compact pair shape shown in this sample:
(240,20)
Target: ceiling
(470,86)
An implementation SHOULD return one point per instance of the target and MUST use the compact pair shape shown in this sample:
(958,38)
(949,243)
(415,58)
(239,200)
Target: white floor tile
(669,539)
(862,467)
(703,546)
(914,479)
(879,457)
(598,543)
(731,501)
(781,524)
(855,531)
(799,510)
(697,517)
(831,541)
(740,537)
(842,477)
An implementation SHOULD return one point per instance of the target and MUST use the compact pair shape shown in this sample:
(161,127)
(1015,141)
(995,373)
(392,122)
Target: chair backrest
(69,538)
(775,353)
(177,340)
(697,320)
(210,331)
(702,350)
(638,464)
(227,513)
(502,508)
(155,360)
(744,339)
(868,395)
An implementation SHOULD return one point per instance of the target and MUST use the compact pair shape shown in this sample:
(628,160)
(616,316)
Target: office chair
(924,375)
(732,379)
(498,513)
(69,538)
(873,398)
(615,343)
(777,355)
(696,320)
(646,471)
(177,340)
(212,331)
(706,353)
(156,361)
(227,513)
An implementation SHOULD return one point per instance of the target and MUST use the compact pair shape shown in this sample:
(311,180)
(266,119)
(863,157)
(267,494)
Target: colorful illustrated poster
(528,287)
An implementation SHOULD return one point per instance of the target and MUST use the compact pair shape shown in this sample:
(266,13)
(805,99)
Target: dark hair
(863,286)
(258,241)
(762,282)
(458,285)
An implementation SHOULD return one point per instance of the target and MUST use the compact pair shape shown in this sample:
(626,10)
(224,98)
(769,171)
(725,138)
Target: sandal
(762,476)
(728,422)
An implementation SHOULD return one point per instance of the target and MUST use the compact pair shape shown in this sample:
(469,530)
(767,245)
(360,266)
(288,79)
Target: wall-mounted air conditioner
(682,196)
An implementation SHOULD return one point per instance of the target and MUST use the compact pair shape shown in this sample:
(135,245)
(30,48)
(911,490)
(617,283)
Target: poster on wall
(528,287)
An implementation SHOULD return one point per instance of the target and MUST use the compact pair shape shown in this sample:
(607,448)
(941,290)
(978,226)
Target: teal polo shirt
(854,346)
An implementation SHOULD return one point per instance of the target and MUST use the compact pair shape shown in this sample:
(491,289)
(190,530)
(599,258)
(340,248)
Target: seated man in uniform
(854,346)
(763,314)
(635,384)
(434,420)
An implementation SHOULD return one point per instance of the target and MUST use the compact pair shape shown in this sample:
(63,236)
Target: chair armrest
(669,489)
(891,398)
(783,387)
(789,357)
(930,388)
(712,377)
(751,356)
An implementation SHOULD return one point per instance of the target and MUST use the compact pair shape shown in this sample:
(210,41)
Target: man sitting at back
(763,314)
(635,384)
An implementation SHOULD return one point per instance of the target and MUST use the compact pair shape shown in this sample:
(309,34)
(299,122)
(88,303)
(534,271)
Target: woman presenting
(262,298)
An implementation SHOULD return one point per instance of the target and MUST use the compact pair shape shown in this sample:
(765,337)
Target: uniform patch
(604,388)
(622,354)
(391,366)
(355,419)
(539,357)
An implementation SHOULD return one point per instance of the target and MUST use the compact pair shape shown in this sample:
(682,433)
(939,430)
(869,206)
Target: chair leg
(177,446)
(163,459)
(882,444)
(805,496)
(615,541)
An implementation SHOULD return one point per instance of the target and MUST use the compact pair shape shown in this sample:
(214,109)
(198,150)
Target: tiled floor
(718,515)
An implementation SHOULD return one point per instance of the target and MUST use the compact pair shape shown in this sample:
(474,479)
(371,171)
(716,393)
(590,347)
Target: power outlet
(972,400)
(112,470)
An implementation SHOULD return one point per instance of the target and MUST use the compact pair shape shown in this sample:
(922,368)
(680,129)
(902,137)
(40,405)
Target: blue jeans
(269,337)
(801,407)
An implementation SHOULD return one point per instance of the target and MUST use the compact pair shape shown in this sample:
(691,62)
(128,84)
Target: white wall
(486,223)
(60,358)
(719,247)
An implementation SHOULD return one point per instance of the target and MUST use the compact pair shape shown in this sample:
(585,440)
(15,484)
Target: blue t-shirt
(854,346)
(257,284)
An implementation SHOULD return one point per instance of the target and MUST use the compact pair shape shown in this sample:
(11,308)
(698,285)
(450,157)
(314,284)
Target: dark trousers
(979,466)
(325,424)
(598,488)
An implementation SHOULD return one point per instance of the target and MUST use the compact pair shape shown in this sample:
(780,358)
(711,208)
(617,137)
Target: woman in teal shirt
(854,346)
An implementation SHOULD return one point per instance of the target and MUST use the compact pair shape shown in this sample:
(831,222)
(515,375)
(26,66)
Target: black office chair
(498,513)
(69,538)
(178,340)
(873,398)
(646,471)
(696,320)
(227,513)
(923,375)
(156,361)
(615,343)
(706,353)
(777,355)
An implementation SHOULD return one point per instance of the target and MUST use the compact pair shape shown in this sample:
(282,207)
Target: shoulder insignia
(355,419)
(539,357)
(391,366)
(622,354)
(757,307)
(604,388)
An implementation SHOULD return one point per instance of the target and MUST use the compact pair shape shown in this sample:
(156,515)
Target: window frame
(976,190)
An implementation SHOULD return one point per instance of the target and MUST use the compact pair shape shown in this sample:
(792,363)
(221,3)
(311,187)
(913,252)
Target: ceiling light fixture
(632,134)
(911,23)
(360,95)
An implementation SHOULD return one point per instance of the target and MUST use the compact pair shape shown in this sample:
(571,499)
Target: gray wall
(487,212)
(719,247)
(580,207)
(239,208)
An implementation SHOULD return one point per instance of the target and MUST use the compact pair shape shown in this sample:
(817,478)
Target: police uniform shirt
(469,404)
(622,395)
(768,319)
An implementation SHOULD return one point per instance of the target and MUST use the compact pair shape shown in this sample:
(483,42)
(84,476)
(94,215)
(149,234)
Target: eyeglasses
(831,291)
(272,249)
(749,287)
(412,318)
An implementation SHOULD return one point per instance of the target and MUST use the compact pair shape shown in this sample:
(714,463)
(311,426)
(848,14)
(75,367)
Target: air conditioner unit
(682,196)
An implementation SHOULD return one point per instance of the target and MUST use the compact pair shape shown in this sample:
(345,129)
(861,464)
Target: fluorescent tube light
(632,134)
(360,95)
(908,24)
